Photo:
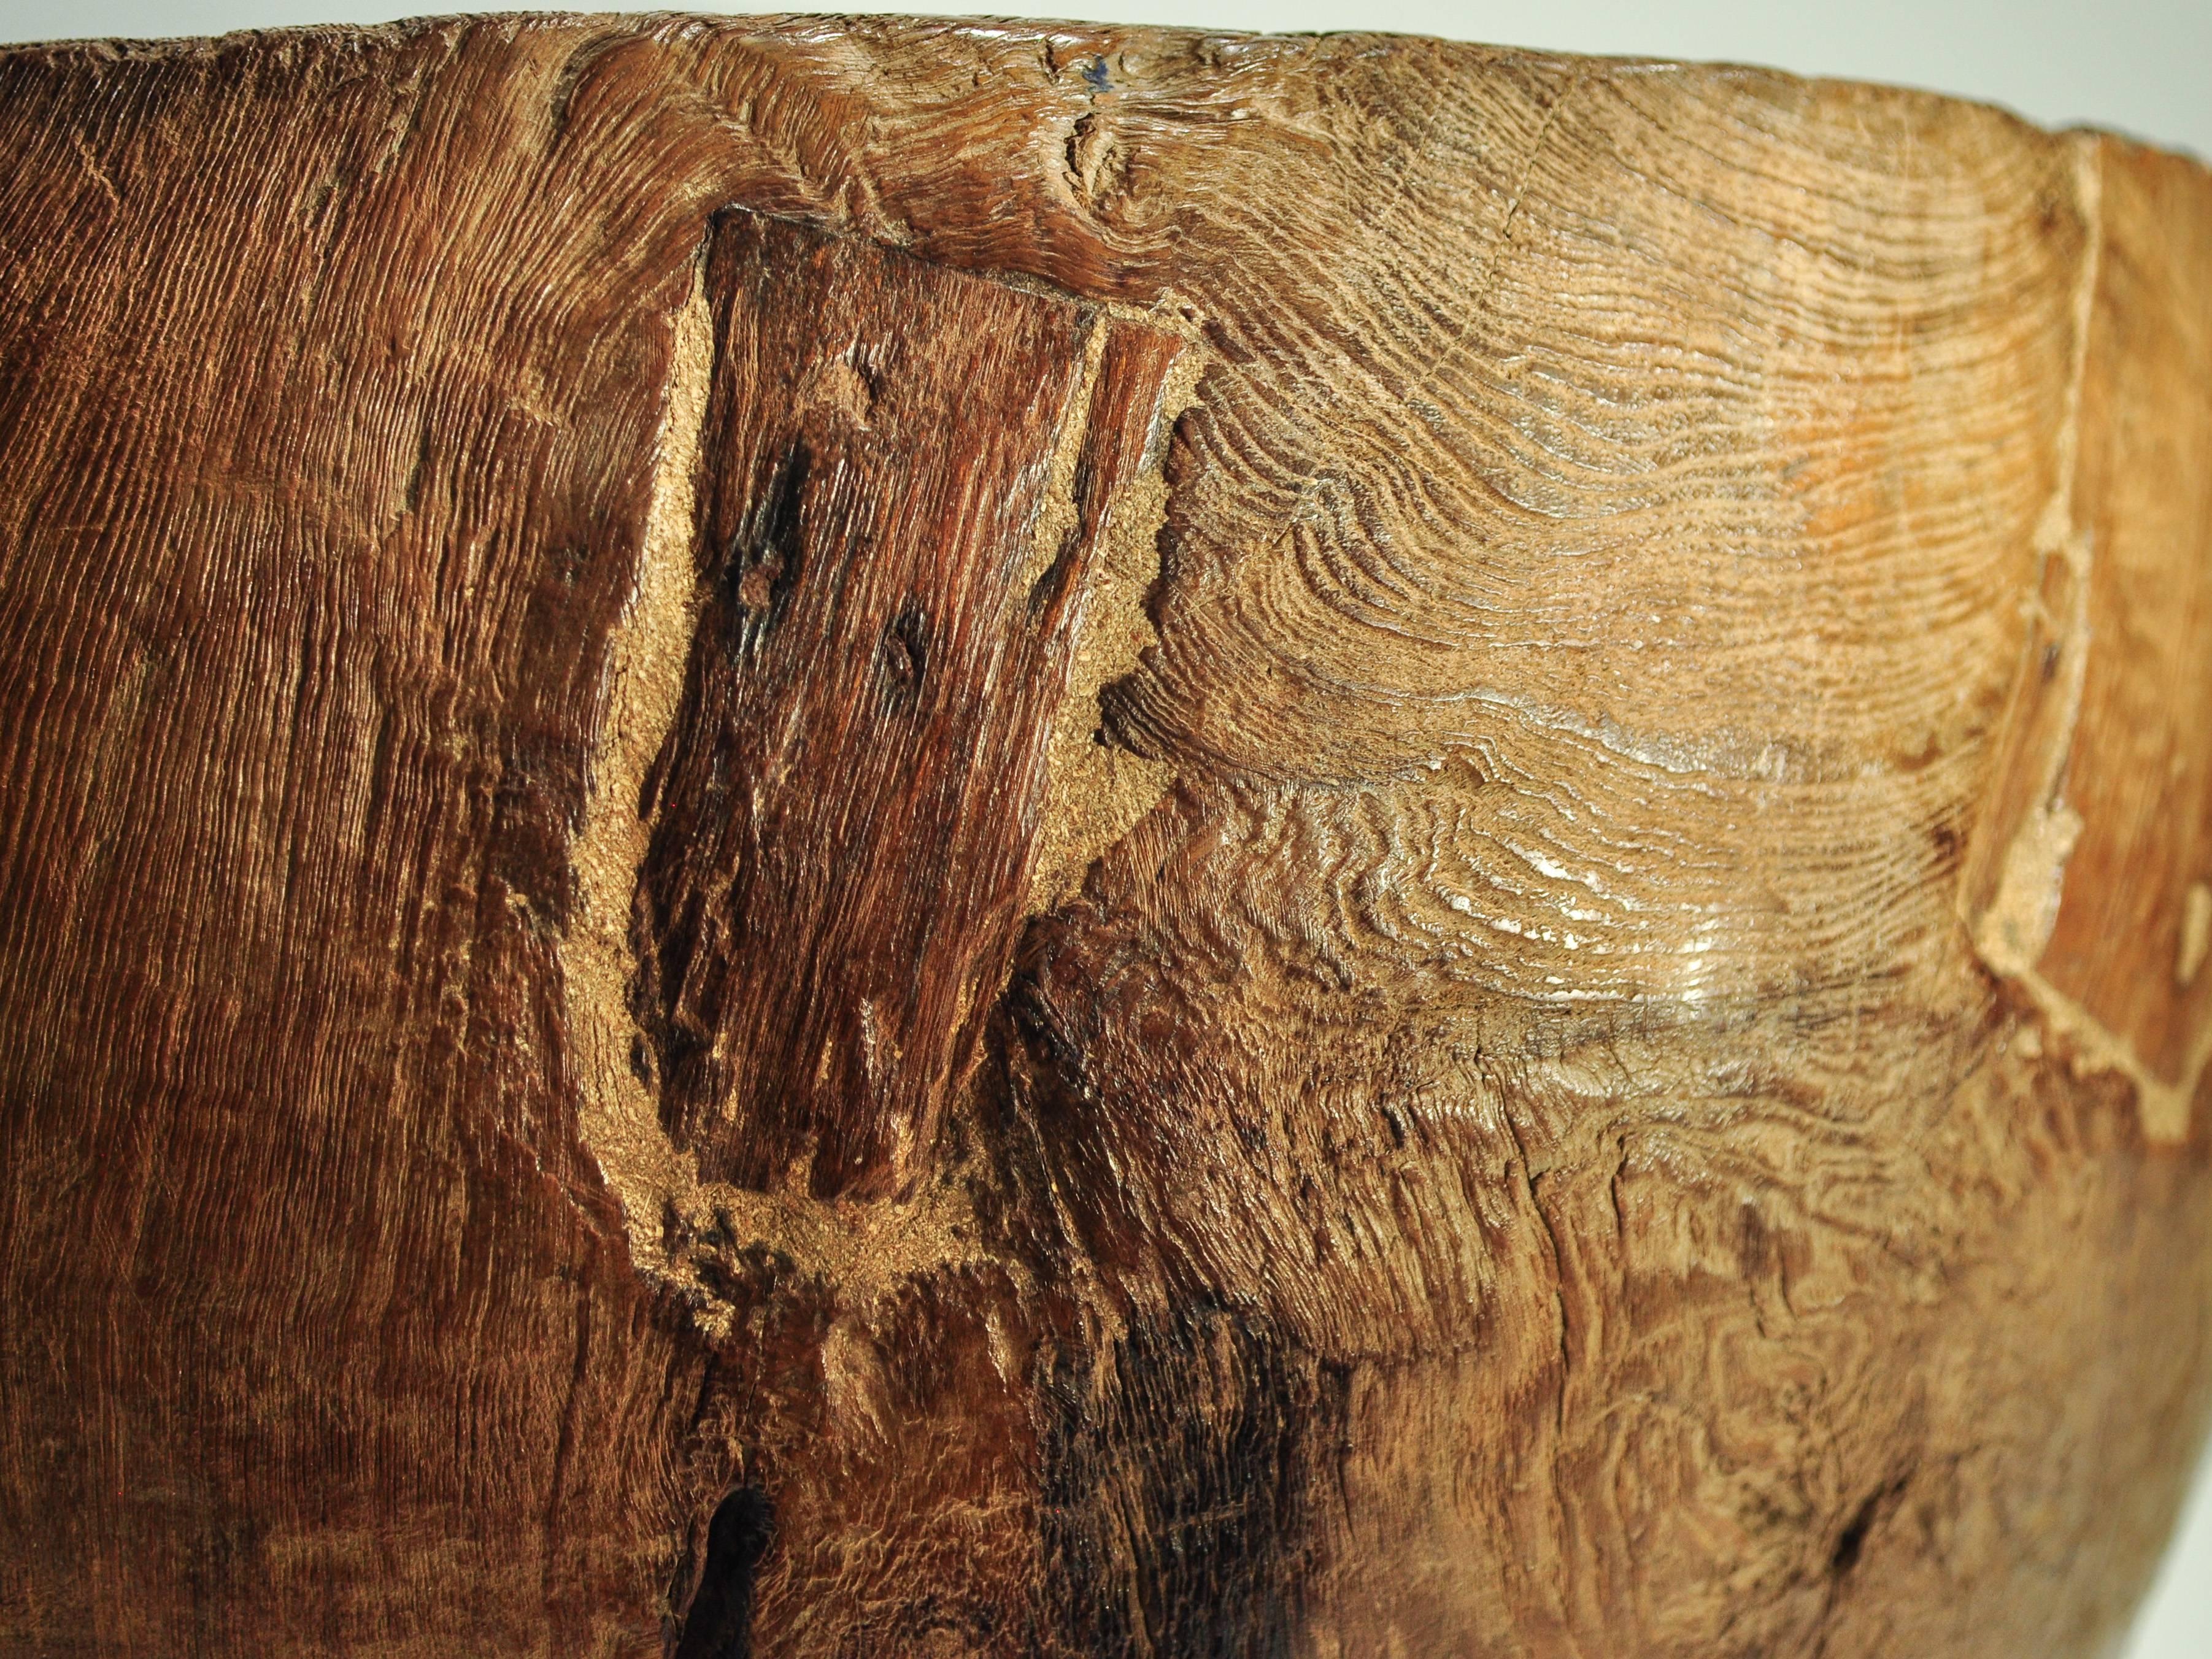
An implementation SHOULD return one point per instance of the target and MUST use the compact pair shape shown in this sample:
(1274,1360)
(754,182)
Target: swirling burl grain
(979,840)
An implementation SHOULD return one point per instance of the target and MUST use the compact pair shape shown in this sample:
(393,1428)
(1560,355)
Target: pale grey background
(2143,67)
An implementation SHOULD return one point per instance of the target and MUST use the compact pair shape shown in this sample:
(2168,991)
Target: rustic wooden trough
(859,837)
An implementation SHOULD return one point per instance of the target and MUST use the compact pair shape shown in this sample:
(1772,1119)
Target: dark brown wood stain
(843,811)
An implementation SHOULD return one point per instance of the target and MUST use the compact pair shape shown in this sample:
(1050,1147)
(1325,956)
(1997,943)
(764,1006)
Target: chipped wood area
(828,836)
(810,856)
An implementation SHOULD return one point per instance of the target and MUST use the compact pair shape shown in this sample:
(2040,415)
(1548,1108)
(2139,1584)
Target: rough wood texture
(830,838)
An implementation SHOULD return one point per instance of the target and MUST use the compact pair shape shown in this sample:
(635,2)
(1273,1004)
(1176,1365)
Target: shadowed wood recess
(824,837)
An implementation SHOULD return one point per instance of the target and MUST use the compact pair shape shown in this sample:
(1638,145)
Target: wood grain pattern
(885,610)
(827,835)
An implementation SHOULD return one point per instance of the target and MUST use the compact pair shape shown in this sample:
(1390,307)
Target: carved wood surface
(825,836)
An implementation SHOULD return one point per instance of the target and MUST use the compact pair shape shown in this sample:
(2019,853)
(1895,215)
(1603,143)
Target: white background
(2143,67)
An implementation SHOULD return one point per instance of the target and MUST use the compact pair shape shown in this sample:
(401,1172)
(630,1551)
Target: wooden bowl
(861,837)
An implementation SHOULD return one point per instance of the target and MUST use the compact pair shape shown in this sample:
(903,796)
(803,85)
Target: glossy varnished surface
(826,837)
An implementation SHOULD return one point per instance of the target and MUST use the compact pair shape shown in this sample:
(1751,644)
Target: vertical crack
(2012,899)
(642,688)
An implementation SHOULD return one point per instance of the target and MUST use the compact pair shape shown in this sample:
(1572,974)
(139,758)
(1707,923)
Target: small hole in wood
(719,1624)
